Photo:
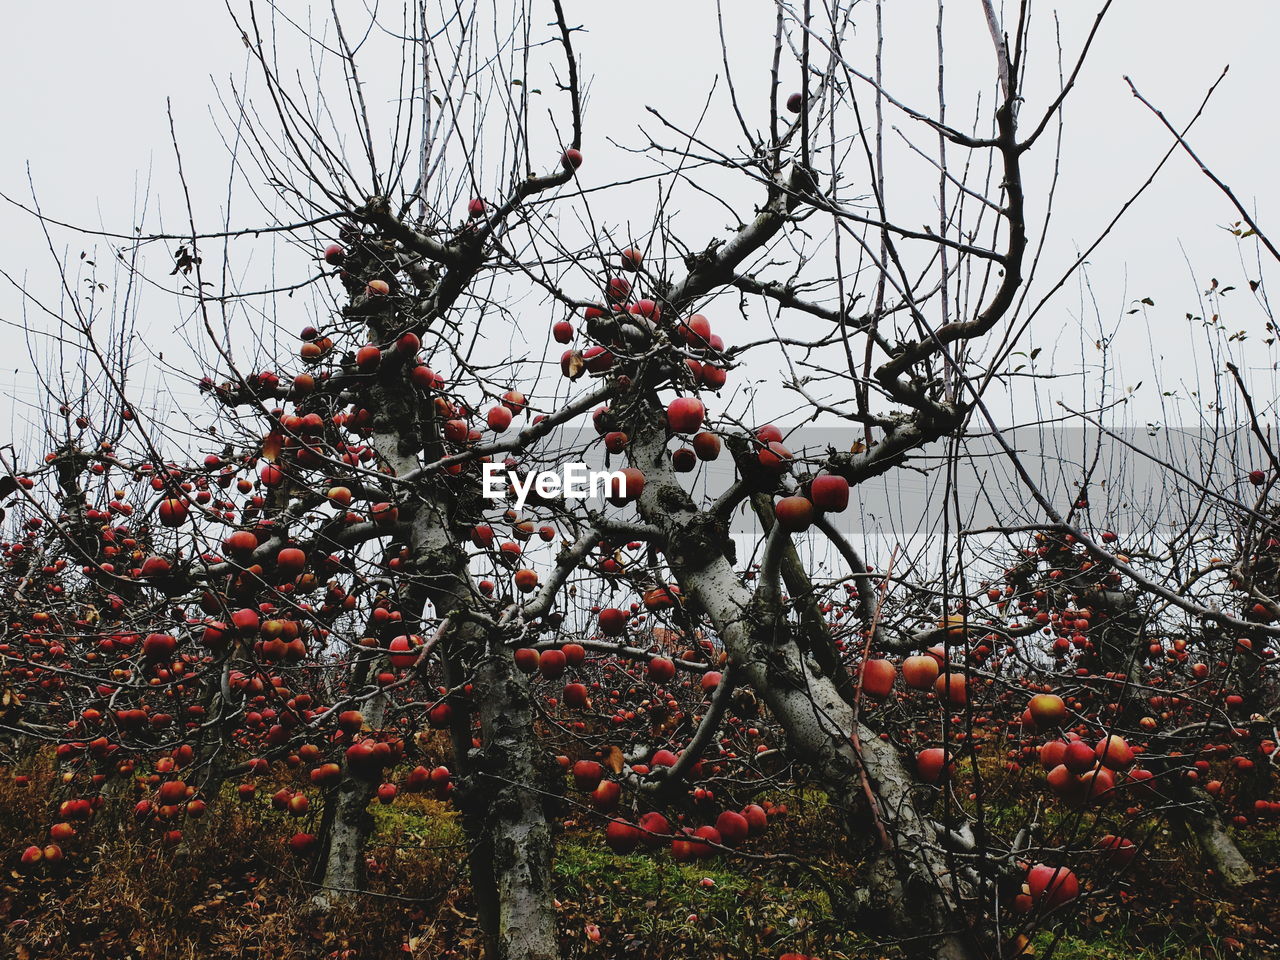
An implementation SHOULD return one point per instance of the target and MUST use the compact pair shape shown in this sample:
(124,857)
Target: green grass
(416,821)
(1260,844)
(586,866)
(1118,944)
(749,909)
(783,893)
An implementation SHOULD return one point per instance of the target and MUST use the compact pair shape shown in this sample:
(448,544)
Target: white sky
(86,87)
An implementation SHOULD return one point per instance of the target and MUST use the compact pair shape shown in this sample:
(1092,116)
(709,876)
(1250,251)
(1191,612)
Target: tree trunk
(1195,809)
(499,794)
(819,723)
(216,748)
(515,824)
(814,637)
(1201,817)
(349,825)
(503,790)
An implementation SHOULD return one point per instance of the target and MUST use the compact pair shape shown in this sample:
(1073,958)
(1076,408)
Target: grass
(1260,844)
(416,820)
(1118,945)
(230,891)
(713,908)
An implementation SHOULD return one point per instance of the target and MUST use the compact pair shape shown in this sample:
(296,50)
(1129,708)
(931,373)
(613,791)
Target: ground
(230,889)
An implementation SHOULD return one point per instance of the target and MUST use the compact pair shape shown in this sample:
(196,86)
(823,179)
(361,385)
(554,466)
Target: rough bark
(215,750)
(501,794)
(516,827)
(814,637)
(348,825)
(1201,817)
(507,835)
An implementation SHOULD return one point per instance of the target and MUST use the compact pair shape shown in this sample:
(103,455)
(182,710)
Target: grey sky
(87,86)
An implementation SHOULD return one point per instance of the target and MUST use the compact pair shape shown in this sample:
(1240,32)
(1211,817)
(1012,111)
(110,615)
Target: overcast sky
(85,115)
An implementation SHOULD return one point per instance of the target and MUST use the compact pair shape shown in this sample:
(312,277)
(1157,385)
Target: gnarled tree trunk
(514,821)
(1202,819)
(820,724)
(347,826)
(503,789)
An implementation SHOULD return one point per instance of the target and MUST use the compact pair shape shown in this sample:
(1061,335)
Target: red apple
(685,414)
(696,330)
(613,622)
(597,359)
(931,763)
(920,672)
(1052,886)
(404,652)
(654,828)
(1117,851)
(877,678)
(587,774)
(173,512)
(1079,757)
(952,688)
(624,489)
(606,795)
(499,418)
(830,493)
(660,670)
(756,818)
(1053,753)
(618,288)
(159,646)
(733,828)
(794,514)
(774,457)
(1047,710)
(326,775)
(1114,753)
(665,758)
(712,377)
(706,446)
(368,357)
(552,663)
(622,837)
